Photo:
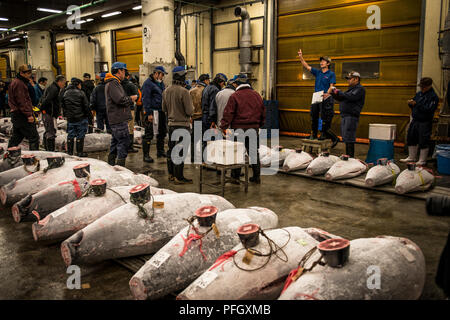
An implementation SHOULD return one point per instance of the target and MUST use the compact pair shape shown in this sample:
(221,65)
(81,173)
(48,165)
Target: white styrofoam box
(381,131)
(225,152)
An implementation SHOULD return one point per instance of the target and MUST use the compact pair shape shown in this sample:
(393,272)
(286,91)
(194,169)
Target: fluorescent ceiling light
(137,8)
(89,19)
(13,29)
(49,10)
(15,39)
(25,37)
(81,21)
(3,29)
(4,19)
(111,14)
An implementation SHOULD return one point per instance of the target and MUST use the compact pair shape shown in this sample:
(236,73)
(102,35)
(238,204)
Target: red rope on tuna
(76,187)
(222,259)
(187,242)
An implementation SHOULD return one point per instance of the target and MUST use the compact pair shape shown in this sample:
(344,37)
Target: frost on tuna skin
(155,280)
(402,273)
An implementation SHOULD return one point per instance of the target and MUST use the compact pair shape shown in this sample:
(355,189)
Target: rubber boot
(112,159)
(50,145)
(121,162)
(146,151)
(34,146)
(131,148)
(160,153)
(44,142)
(412,154)
(80,147)
(422,157)
(70,144)
(333,138)
(350,149)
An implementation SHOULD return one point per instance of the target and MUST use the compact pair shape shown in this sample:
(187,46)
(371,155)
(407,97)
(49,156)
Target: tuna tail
(22,210)
(69,248)
(138,289)
(5,189)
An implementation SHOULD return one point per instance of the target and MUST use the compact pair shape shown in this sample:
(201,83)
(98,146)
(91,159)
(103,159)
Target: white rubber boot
(422,157)
(412,157)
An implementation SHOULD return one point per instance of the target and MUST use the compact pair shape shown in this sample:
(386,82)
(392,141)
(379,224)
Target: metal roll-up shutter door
(128,47)
(387,58)
(2,68)
(61,57)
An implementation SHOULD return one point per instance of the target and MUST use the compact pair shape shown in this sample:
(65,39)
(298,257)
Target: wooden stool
(316,146)
(223,178)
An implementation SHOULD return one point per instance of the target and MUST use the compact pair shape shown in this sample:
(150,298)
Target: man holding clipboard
(322,102)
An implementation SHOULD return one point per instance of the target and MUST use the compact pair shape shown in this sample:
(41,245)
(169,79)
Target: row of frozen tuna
(101,216)
(412,179)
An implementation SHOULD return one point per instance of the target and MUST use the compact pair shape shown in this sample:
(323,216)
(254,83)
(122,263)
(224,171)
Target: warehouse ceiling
(20,12)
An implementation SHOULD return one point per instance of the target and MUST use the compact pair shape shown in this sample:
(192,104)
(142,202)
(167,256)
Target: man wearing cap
(351,104)
(98,104)
(209,107)
(51,110)
(76,109)
(324,79)
(118,105)
(196,96)
(245,110)
(39,88)
(131,90)
(423,106)
(87,85)
(177,104)
(222,97)
(152,91)
(22,110)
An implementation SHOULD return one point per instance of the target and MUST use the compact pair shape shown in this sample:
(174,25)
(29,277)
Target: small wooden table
(223,178)
(316,146)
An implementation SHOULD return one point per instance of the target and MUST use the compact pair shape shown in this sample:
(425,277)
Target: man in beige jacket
(177,104)
(196,95)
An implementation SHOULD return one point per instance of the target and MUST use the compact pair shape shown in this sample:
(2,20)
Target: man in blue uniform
(324,79)
(423,107)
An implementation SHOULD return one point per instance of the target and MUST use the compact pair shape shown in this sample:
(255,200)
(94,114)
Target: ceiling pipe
(178,55)
(245,43)
(54,53)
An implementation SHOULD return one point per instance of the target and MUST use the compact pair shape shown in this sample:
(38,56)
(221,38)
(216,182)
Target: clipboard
(317,97)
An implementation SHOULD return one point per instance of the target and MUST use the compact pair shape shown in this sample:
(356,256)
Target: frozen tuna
(276,155)
(13,161)
(321,164)
(92,142)
(189,254)
(262,279)
(346,168)
(124,232)
(384,172)
(16,190)
(414,179)
(64,222)
(297,161)
(383,268)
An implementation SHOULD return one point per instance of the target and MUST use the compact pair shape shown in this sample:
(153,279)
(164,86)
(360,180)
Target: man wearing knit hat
(22,110)
(98,104)
(177,105)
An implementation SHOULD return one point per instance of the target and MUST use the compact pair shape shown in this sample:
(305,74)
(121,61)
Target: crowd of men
(118,103)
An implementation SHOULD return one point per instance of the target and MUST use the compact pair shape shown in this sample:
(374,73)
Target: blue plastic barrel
(443,158)
(380,149)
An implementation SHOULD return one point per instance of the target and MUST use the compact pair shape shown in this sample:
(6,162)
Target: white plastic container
(225,152)
(381,131)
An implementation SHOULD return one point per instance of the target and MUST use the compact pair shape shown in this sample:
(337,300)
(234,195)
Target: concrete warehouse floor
(30,270)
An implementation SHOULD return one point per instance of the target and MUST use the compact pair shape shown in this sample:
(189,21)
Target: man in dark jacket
(423,107)
(3,99)
(245,110)
(39,88)
(118,108)
(177,104)
(98,104)
(76,109)
(88,85)
(19,101)
(131,90)
(196,96)
(209,107)
(152,91)
(51,110)
(351,104)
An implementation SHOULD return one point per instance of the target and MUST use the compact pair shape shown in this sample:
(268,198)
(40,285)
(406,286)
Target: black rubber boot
(44,142)
(333,138)
(131,148)
(146,151)
(160,153)
(70,144)
(50,145)
(350,149)
(80,146)
(121,162)
(112,159)
(34,146)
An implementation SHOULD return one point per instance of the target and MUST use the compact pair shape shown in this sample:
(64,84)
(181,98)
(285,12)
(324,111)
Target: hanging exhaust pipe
(245,43)
(55,53)
(178,55)
(97,56)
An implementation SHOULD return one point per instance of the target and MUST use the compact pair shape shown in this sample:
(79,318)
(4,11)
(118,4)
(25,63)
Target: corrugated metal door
(387,58)
(2,68)
(61,58)
(128,47)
